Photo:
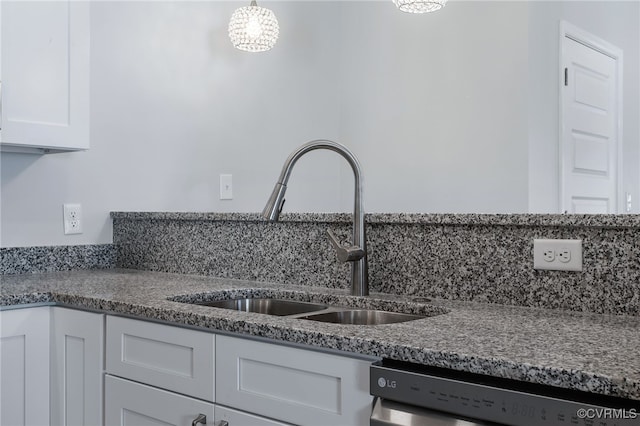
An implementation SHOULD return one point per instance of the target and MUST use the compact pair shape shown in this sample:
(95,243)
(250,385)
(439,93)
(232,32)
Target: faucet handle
(345,254)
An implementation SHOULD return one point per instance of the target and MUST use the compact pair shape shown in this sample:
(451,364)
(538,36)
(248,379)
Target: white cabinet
(24,367)
(133,404)
(45,75)
(169,357)
(292,385)
(163,374)
(158,374)
(76,367)
(178,360)
(50,367)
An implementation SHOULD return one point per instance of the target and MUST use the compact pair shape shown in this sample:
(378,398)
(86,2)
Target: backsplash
(486,258)
(25,260)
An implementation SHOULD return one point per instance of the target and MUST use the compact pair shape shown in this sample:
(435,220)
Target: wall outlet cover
(72,218)
(557,255)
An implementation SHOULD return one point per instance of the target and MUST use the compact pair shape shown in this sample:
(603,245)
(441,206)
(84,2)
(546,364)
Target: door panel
(45,74)
(76,367)
(169,357)
(24,367)
(589,146)
(293,385)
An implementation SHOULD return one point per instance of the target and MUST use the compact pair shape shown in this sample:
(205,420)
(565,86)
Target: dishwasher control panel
(489,403)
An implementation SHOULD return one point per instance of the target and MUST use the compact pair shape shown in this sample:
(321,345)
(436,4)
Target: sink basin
(321,307)
(267,306)
(362,317)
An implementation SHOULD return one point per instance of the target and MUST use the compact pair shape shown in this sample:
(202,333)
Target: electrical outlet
(557,255)
(72,217)
(549,255)
(564,255)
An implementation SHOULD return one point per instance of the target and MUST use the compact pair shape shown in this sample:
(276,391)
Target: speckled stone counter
(471,257)
(588,352)
(32,260)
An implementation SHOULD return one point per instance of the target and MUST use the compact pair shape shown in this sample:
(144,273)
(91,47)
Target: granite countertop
(587,352)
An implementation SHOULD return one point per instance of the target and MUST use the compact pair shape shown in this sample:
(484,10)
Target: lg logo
(382,382)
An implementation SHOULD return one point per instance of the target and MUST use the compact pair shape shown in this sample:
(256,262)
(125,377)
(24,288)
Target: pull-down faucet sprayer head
(274,205)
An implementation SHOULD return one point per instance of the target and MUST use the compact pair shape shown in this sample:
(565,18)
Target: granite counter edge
(452,219)
(570,379)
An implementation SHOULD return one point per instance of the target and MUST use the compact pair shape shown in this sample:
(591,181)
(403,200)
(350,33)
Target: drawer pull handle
(223,423)
(200,419)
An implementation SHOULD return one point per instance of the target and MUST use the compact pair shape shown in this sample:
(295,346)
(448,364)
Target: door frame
(577,34)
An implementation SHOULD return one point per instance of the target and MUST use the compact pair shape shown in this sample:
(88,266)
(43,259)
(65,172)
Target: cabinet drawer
(240,418)
(133,404)
(293,385)
(172,358)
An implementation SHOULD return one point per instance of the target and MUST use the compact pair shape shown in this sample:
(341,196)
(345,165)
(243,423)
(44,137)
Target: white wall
(437,107)
(438,120)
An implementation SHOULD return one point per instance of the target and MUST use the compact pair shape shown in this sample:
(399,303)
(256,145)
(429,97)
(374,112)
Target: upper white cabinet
(45,75)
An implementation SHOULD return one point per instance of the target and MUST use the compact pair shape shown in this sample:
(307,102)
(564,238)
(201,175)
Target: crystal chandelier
(253,28)
(419,6)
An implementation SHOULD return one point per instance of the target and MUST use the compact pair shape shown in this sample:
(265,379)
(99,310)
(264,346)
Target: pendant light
(419,6)
(253,28)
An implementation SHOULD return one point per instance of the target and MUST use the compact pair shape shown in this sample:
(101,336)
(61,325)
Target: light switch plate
(226,187)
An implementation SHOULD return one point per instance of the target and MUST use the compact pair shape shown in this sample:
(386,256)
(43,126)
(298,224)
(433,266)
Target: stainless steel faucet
(355,253)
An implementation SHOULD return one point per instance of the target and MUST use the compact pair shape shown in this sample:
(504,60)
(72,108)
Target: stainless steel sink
(267,306)
(361,317)
(290,305)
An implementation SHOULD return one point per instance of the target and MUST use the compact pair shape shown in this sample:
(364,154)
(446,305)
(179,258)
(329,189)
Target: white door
(590,112)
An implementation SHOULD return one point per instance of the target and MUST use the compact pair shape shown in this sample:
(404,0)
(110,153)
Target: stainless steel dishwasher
(416,395)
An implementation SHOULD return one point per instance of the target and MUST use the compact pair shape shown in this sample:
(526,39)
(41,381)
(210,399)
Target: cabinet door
(76,367)
(133,404)
(172,358)
(45,74)
(24,367)
(293,385)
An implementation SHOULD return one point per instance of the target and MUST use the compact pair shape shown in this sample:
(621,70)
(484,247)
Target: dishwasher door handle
(390,413)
